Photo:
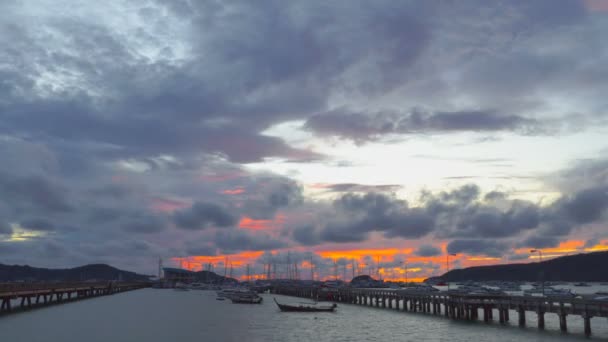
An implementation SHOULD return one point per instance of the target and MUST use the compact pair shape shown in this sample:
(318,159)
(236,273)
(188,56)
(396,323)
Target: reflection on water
(167,315)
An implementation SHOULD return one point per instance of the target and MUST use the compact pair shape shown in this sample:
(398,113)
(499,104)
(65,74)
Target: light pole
(542,275)
(447,266)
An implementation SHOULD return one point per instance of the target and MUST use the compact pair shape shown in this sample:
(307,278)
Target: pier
(461,306)
(16,297)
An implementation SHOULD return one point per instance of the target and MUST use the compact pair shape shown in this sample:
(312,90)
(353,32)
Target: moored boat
(306,307)
(247,299)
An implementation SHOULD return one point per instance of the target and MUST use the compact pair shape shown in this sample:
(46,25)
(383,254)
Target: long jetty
(460,306)
(15,297)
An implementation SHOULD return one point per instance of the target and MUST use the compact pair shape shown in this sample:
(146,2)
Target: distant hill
(362,278)
(581,267)
(88,272)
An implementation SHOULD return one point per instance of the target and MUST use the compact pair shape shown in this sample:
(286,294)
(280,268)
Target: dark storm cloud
(203,215)
(538,241)
(462,214)
(266,195)
(306,235)
(490,222)
(357,215)
(234,241)
(343,232)
(34,192)
(428,251)
(198,249)
(144,224)
(279,65)
(363,127)
(477,247)
(588,205)
(37,224)
(5,228)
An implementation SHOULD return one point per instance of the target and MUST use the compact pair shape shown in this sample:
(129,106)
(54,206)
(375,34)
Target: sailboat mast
(225,266)
(160,268)
(312,270)
(335,270)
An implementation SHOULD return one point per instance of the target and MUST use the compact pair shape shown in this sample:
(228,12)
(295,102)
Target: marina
(155,315)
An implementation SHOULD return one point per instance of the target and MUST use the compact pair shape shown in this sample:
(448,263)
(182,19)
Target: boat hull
(257,300)
(305,308)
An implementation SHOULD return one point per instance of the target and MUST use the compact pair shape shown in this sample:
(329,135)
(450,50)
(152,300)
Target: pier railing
(460,306)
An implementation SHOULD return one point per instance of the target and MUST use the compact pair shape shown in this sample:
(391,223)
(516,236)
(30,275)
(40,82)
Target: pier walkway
(460,306)
(15,297)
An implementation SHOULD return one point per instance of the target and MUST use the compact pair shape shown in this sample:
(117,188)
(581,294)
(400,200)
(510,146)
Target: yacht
(550,292)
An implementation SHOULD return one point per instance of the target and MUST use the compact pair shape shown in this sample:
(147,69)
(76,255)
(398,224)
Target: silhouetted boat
(247,299)
(306,307)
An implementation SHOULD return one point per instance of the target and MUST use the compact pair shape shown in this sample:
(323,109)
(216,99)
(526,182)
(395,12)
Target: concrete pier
(31,296)
(462,306)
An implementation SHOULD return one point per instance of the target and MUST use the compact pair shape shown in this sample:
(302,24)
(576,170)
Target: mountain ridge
(579,267)
(102,272)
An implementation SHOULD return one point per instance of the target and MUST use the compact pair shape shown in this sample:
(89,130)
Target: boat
(182,287)
(306,307)
(418,288)
(235,292)
(247,299)
(550,292)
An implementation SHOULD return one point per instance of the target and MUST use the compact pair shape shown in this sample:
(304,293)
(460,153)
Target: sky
(339,138)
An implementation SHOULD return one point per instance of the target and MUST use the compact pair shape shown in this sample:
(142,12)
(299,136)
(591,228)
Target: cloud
(102,115)
(34,193)
(37,224)
(587,205)
(359,214)
(268,194)
(362,127)
(355,187)
(144,224)
(306,235)
(477,247)
(201,249)
(537,241)
(203,215)
(5,229)
(238,240)
(428,251)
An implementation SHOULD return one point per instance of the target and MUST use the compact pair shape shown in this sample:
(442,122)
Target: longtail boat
(250,299)
(306,307)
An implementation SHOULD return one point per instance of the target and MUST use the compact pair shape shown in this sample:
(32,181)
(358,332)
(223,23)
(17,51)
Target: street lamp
(447,266)
(542,276)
